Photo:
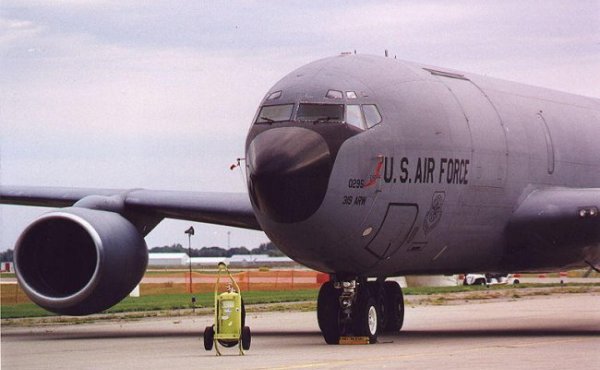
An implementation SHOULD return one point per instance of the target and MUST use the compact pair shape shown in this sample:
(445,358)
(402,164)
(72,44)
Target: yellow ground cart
(229,329)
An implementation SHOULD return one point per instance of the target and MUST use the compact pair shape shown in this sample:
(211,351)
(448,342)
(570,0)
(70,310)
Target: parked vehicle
(489,279)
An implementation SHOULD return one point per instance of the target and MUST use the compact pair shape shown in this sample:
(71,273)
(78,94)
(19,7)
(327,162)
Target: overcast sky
(160,94)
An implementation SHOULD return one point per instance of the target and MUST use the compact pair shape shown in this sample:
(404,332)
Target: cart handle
(223,268)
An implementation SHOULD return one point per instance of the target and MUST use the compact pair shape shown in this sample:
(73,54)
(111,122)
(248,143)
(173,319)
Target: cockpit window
(321,112)
(275,95)
(334,94)
(351,95)
(275,113)
(372,115)
(354,116)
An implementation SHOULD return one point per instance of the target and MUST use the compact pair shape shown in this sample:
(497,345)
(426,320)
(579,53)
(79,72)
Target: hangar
(238,260)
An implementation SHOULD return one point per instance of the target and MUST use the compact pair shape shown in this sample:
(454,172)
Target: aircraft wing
(229,209)
(552,220)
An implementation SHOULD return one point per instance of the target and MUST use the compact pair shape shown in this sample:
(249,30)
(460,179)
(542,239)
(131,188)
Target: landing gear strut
(355,307)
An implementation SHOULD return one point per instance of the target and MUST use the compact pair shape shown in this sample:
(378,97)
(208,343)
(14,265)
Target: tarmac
(547,332)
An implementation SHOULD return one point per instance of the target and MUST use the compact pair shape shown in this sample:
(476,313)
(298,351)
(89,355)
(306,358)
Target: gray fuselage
(431,187)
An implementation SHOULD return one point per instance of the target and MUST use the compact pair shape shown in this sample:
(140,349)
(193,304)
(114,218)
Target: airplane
(365,168)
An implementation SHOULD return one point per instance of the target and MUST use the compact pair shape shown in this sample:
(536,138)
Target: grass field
(161,300)
(166,302)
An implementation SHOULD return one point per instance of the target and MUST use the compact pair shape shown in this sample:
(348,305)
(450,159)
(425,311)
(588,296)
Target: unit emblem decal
(434,214)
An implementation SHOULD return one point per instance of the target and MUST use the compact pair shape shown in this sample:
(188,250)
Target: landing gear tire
(377,291)
(359,308)
(328,313)
(366,317)
(393,307)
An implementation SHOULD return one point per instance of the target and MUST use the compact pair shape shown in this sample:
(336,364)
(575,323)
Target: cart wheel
(209,336)
(246,338)
(243,313)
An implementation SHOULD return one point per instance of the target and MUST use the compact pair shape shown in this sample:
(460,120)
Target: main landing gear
(357,307)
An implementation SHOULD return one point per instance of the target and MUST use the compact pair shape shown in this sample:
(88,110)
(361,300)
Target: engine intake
(79,261)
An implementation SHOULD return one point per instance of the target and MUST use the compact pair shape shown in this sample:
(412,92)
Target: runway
(547,332)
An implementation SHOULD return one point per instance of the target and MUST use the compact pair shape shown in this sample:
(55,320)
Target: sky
(160,95)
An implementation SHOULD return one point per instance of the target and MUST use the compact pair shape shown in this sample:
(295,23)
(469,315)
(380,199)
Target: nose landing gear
(355,307)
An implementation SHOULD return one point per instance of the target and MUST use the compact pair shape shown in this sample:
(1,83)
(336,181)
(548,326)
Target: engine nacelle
(79,261)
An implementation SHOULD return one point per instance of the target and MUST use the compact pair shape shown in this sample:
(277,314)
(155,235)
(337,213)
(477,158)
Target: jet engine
(78,261)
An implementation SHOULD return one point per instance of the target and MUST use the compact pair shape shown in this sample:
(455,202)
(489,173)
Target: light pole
(190,232)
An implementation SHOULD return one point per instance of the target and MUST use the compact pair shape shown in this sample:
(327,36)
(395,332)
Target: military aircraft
(365,168)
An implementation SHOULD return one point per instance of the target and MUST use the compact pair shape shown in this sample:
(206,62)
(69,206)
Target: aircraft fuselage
(433,185)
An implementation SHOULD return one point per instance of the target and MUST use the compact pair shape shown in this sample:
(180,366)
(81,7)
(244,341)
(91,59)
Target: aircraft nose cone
(288,173)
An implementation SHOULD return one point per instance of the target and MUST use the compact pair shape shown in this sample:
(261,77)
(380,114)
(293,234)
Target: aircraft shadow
(140,334)
(496,333)
(404,335)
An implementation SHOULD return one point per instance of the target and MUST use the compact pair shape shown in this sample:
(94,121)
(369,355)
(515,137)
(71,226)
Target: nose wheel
(359,309)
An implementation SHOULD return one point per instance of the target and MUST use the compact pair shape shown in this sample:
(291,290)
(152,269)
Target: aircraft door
(394,230)
(490,152)
(543,126)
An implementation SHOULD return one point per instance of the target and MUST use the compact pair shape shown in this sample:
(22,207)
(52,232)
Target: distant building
(248,258)
(258,260)
(237,260)
(207,261)
(6,267)
(168,259)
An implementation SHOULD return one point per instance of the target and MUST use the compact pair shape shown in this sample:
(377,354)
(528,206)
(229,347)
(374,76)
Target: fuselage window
(372,115)
(354,116)
(321,112)
(275,113)
(351,95)
(334,94)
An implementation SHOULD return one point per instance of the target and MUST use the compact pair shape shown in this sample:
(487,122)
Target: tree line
(265,248)
(7,255)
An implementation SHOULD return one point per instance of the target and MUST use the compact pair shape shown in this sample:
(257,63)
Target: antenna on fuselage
(386,53)
(238,164)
